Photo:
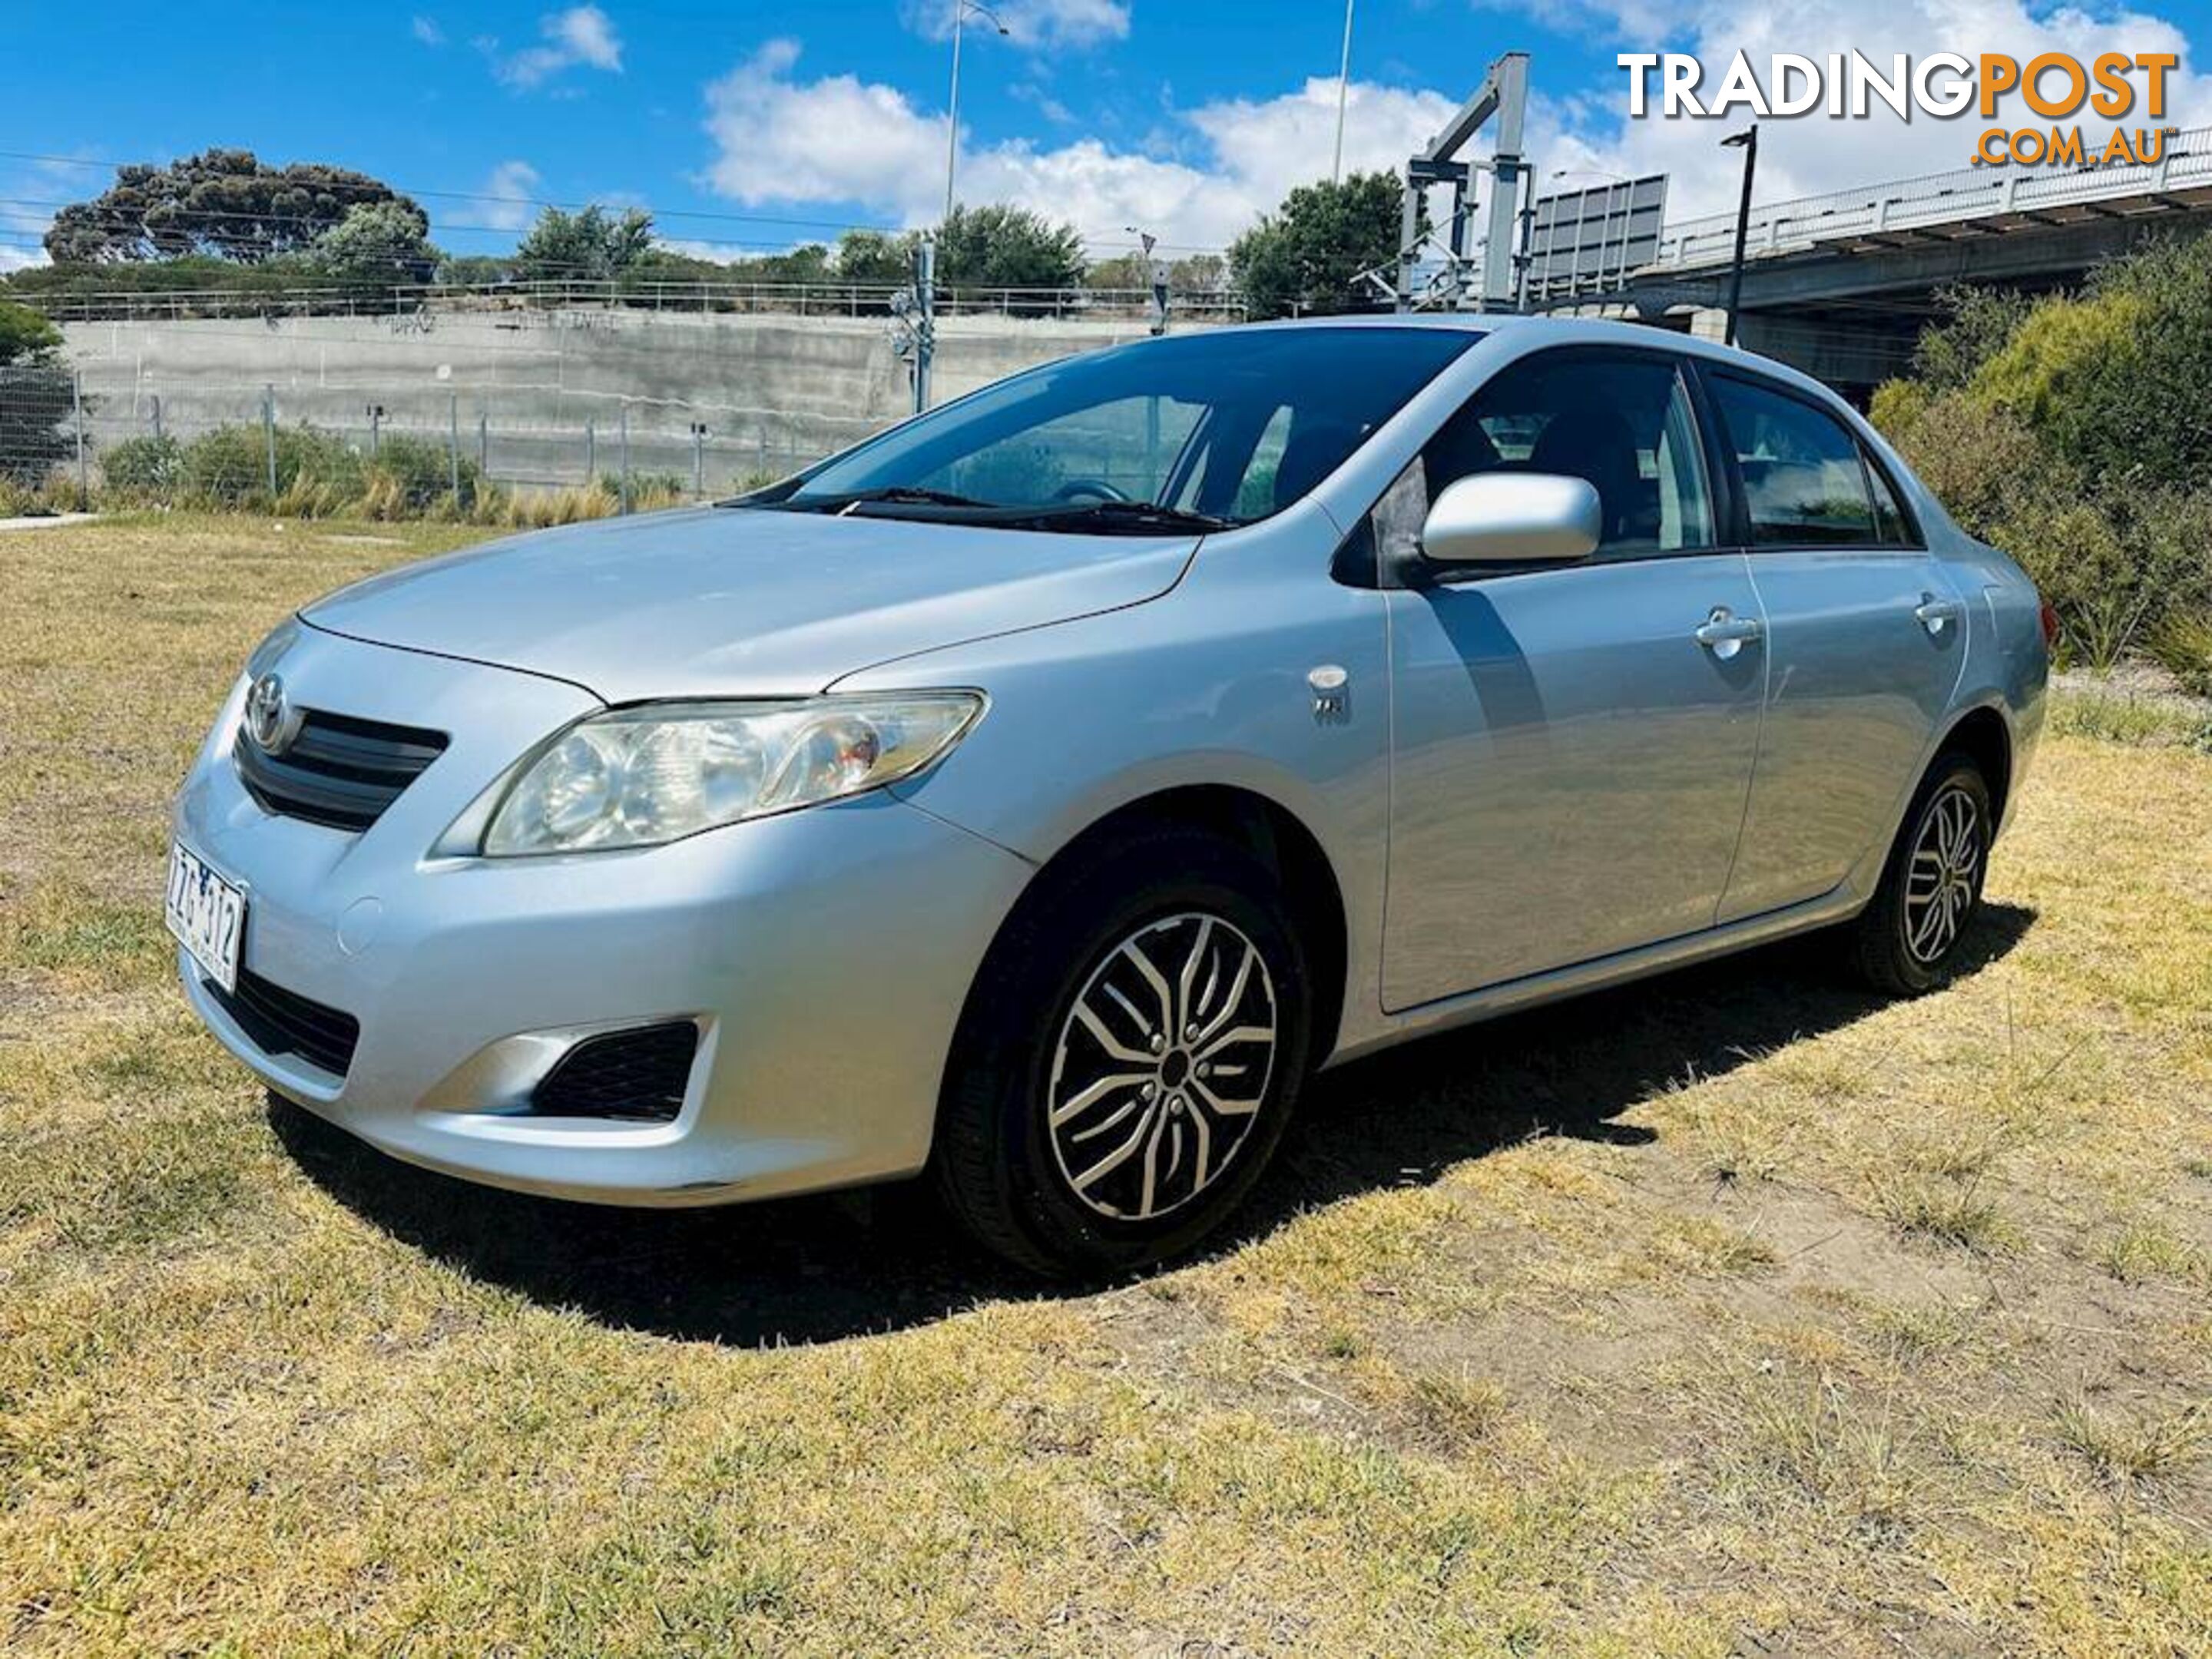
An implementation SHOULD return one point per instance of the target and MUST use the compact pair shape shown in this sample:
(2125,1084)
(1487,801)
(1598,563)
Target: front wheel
(1906,941)
(1127,1060)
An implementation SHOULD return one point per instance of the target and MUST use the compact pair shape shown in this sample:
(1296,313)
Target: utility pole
(1747,141)
(1343,83)
(925,317)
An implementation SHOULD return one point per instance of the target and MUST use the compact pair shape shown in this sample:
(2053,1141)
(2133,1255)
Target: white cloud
(427,31)
(1814,155)
(1202,175)
(582,35)
(780,139)
(504,201)
(1030,92)
(1028,23)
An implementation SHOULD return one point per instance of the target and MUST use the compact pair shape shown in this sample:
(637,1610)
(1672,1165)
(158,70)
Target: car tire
(1906,941)
(1104,972)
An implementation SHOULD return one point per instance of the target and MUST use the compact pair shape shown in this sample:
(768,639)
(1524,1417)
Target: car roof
(1524,330)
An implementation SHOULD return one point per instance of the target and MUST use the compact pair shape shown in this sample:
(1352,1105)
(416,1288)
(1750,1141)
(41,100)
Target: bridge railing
(1933,199)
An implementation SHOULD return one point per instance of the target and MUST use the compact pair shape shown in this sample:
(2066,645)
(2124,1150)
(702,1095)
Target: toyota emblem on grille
(270,720)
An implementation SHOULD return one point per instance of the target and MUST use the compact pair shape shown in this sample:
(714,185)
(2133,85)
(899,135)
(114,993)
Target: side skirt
(1557,984)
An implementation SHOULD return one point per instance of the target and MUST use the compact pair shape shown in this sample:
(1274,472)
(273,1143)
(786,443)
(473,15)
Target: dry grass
(1726,1313)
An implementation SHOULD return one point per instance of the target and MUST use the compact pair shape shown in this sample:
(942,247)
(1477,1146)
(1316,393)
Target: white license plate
(207,915)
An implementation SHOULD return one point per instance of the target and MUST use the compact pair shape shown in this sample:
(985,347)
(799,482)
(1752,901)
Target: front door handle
(1724,633)
(1935,615)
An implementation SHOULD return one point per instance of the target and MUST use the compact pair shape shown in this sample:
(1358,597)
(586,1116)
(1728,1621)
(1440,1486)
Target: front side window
(1804,483)
(1210,430)
(1624,424)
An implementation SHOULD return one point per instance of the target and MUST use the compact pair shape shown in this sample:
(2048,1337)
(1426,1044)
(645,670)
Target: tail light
(2050,619)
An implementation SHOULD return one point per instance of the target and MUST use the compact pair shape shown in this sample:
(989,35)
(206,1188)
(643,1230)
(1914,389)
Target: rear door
(1570,748)
(1865,633)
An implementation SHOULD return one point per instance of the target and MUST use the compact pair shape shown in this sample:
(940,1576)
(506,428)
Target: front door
(1572,749)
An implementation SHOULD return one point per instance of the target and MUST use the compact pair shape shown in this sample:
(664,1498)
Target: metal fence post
(624,490)
(484,443)
(157,418)
(698,457)
(269,435)
(76,413)
(375,429)
(453,443)
(591,455)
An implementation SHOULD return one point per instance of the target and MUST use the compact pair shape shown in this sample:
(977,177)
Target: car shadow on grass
(821,1268)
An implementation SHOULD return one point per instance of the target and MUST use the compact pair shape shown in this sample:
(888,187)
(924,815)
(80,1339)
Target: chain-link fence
(398,451)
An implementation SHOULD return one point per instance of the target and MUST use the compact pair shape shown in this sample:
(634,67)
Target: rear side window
(1888,517)
(1804,481)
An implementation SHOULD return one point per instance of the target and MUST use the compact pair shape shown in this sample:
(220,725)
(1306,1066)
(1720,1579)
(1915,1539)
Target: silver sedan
(1038,792)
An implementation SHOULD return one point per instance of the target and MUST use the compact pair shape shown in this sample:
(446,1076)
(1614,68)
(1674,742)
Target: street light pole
(1343,84)
(1747,141)
(960,10)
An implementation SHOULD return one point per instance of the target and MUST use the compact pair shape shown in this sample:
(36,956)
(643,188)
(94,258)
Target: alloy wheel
(1161,1066)
(1944,876)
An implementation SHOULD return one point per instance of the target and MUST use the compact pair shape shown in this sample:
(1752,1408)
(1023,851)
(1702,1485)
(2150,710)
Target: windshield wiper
(1130,515)
(895,495)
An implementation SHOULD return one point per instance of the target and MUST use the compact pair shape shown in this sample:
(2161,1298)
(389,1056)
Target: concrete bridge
(1840,285)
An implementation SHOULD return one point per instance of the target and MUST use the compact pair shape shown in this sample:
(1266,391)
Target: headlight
(637,777)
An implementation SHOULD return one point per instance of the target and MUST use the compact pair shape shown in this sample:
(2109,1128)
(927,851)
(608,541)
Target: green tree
(875,256)
(1122,270)
(1301,260)
(1007,246)
(26,337)
(226,203)
(1977,324)
(34,396)
(379,242)
(592,245)
(475,270)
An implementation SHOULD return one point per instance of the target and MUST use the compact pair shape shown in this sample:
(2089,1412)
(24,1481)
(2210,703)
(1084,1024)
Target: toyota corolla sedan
(1038,792)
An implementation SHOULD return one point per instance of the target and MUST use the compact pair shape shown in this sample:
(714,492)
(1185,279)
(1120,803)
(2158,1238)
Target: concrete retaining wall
(772,390)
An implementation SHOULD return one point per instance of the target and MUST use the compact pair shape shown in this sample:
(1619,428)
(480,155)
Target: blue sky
(748,127)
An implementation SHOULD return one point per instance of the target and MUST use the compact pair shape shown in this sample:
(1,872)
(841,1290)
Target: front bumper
(824,954)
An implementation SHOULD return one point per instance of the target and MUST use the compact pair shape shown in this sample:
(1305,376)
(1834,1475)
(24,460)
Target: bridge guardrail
(1968,192)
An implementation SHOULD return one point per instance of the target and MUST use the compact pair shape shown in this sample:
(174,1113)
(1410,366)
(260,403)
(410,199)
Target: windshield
(1202,431)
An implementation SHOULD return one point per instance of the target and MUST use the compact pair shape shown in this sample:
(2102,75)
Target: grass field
(1735,1313)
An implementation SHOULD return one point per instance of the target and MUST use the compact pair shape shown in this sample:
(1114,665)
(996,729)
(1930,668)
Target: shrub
(413,476)
(147,468)
(2077,433)
(2182,647)
(228,465)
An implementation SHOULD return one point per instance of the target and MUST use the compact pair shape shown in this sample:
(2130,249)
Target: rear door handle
(1935,615)
(1724,633)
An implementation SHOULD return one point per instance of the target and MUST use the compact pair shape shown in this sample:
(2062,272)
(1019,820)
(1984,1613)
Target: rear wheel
(1128,1059)
(1906,941)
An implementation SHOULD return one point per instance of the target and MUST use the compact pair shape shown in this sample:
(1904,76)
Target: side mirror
(1514,518)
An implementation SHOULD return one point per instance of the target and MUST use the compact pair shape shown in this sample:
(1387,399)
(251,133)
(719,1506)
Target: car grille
(281,1022)
(337,771)
(640,1074)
